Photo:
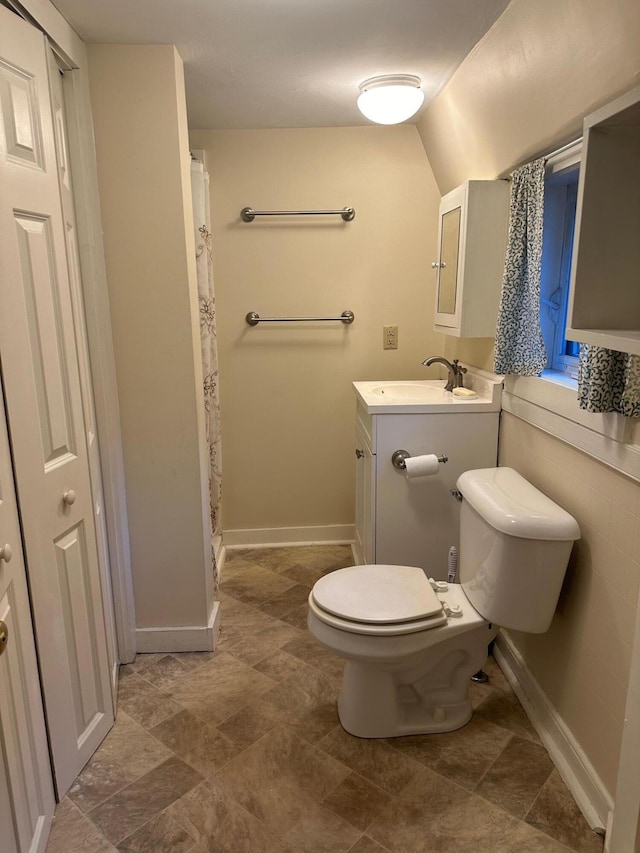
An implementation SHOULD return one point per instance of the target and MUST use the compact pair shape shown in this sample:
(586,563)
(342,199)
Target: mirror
(448,277)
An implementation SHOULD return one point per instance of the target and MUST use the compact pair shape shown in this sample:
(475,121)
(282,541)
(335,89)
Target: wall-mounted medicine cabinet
(604,306)
(472,242)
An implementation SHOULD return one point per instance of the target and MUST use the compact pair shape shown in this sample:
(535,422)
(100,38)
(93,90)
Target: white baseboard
(181,639)
(578,773)
(272,537)
(220,552)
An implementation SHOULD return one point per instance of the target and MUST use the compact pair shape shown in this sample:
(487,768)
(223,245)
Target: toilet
(411,644)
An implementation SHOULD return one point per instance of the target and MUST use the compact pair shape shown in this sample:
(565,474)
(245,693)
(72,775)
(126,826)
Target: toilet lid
(377,594)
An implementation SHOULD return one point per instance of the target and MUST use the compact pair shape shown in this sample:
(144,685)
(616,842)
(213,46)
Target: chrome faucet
(455,371)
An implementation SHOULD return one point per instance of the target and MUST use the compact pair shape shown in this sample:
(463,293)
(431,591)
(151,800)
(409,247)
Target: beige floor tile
(503,709)
(434,815)
(133,806)
(557,814)
(322,831)
(144,702)
(526,839)
(126,754)
(367,845)
(286,602)
(246,726)
(297,617)
(252,584)
(165,673)
(192,660)
(160,835)
(279,778)
(372,759)
(216,691)
(261,643)
(305,702)
(221,824)
(141,662)
(516,778)
(463,755)
(280,665)
(72,832)
(309,651)
(357,801)
(201,745)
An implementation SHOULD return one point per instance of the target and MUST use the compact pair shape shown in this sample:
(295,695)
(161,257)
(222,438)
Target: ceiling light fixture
(390,98)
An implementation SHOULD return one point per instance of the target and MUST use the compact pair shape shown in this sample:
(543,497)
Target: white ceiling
(291,63)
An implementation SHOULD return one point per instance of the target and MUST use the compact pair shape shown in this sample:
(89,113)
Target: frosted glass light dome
(391,98)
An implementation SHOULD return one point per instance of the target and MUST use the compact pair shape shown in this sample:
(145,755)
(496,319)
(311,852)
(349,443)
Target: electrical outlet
(389,337)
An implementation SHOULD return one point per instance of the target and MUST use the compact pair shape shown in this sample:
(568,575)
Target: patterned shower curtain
(207,302)
(519,344)
(609,381)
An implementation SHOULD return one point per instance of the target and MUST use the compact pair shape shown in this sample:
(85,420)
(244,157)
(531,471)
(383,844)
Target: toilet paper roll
(421,466)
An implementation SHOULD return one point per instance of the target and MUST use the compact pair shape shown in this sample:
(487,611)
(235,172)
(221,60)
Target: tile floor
(240,751)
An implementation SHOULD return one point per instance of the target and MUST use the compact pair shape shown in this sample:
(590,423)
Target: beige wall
(141,133)
(528,83)
(583,661)
(523,90)
(287,404)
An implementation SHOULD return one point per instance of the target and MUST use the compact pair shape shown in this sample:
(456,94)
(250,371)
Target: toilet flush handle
(457,494)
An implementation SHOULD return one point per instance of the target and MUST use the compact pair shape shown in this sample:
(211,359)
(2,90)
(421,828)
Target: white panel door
(39,356)
(91,434)
(26,787)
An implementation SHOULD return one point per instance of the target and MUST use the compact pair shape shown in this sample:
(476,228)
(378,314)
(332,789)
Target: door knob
(359,453)
(4,636)
(69,497)
(6,553)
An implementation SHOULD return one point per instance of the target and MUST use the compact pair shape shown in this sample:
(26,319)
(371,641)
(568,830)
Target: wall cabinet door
(39,352)
(472,242)
(26,787)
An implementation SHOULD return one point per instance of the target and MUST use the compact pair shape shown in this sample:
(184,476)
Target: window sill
(550,403)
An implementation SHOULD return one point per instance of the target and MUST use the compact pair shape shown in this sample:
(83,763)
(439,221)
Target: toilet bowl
(411,644)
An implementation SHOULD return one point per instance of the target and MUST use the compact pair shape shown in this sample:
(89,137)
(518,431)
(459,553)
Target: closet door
(39,355)
(77,299)
(26,789)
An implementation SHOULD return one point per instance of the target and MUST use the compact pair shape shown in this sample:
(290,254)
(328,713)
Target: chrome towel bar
(248,214)
(347,317)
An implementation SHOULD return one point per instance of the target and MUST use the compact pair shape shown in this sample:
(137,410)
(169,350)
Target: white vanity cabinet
(415,522)
(472,240)
(604,306)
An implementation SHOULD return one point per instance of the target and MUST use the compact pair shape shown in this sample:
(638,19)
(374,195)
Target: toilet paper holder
(400,456)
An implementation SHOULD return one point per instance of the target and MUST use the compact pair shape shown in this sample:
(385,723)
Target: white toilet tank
(514,548)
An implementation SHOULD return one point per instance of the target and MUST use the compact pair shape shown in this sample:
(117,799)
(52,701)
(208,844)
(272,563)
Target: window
(561,190)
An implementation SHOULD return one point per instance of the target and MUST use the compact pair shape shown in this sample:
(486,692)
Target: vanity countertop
(428,396)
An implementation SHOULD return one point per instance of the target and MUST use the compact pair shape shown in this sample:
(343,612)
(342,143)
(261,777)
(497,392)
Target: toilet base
(424,697)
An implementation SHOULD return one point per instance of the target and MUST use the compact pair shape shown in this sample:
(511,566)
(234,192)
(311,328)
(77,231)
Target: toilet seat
(377,600)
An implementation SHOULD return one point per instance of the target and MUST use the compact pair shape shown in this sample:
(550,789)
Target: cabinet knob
(359,453)
(435,265)
(69,497)
(6,553)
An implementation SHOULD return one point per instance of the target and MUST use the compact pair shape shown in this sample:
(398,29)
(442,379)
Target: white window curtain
(207,302)
(519,344)
(609,381)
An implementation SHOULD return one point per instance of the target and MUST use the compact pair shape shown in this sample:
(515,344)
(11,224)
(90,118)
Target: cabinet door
(26,789)
(365,499)
(448,265)
(39,354)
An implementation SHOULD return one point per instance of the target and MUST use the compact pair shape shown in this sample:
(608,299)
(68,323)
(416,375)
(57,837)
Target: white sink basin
(411,392)
(420,396)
